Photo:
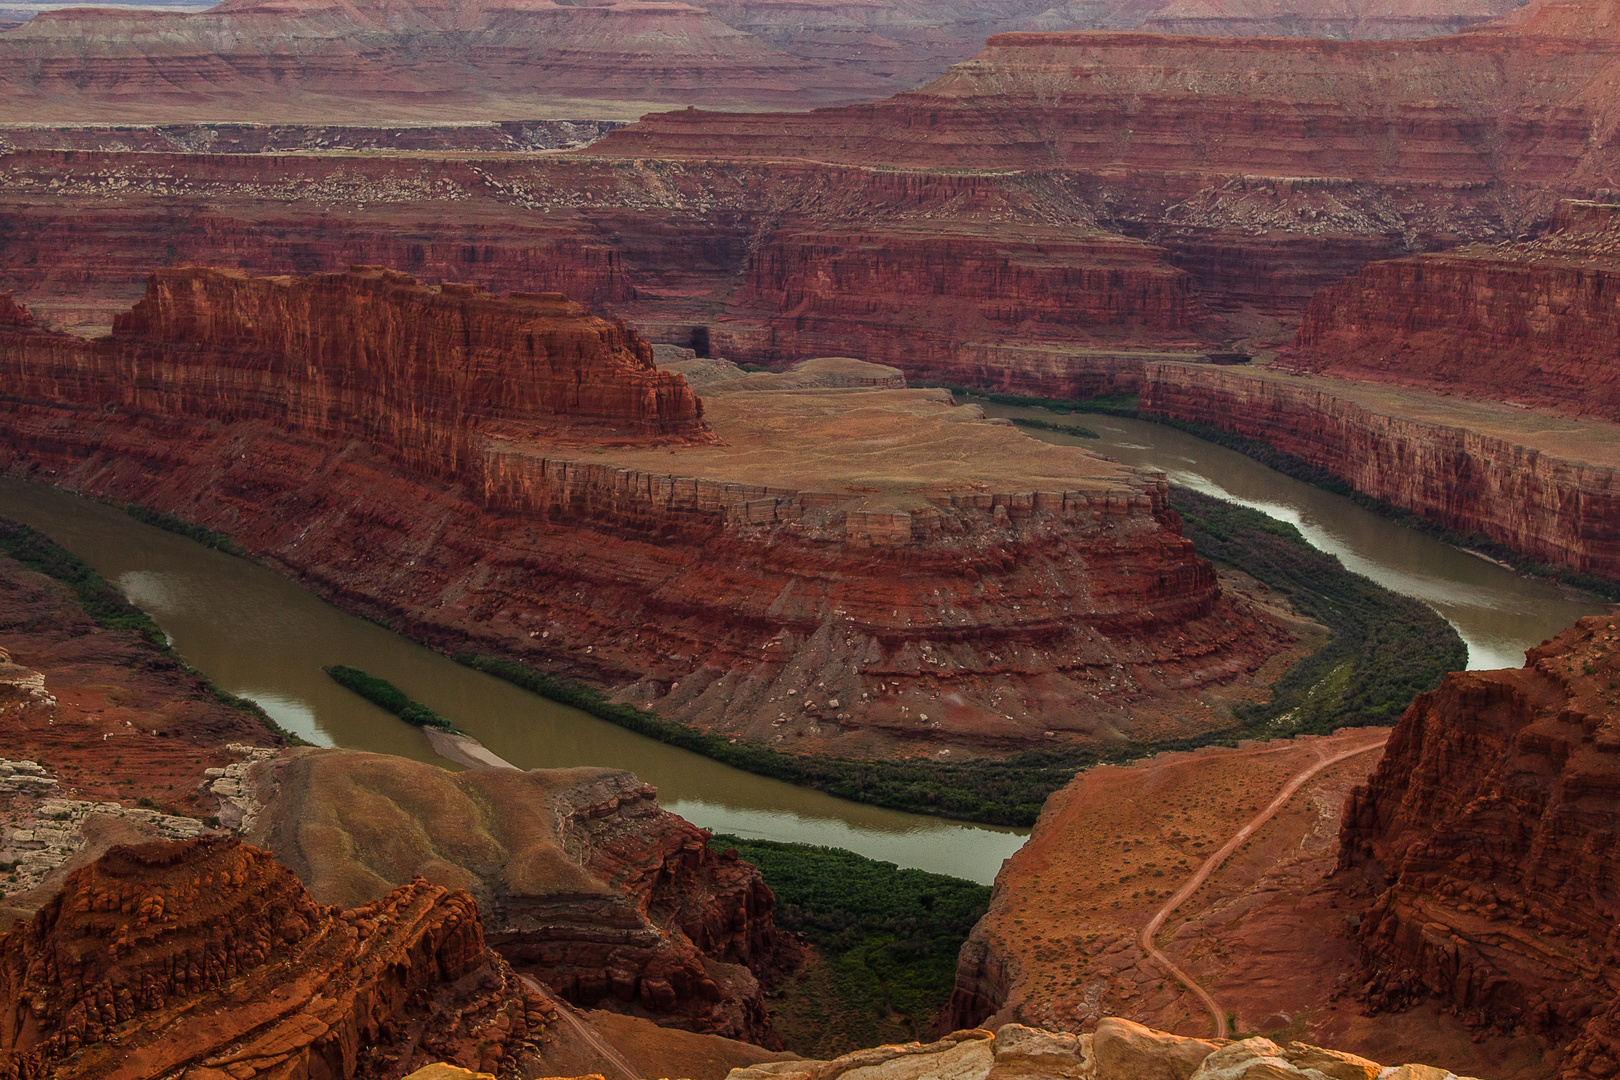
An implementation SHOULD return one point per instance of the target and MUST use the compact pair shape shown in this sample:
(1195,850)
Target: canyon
(1527,322)
(1541,485)
(1456,900)
(303,61)
(524,891)
(861,570)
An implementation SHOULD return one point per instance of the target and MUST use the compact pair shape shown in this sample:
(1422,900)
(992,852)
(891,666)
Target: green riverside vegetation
(1327,480)
(1384,649)
(1074,430)
(108,608)
(386,695)
(886,941)
(1128,406)
(169,523)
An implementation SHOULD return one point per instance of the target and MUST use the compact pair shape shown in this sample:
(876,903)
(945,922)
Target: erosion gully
(263,637)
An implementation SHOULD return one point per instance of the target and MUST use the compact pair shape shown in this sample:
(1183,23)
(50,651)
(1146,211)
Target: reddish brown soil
(128,722)
(1265,935)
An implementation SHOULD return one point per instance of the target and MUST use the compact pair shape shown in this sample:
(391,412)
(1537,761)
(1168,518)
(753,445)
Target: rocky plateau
(852,568)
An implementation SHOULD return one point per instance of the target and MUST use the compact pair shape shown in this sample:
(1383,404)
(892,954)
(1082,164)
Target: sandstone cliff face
(985,614)
(371,353)
(1560,511)
(1531,322)
(1492,821)
(583,881)
(892,294)
(12,313)
(209,954)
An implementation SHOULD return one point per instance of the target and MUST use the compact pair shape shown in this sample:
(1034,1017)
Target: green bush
(109,610)
(1384,648)
(181,527)
(1075,430)
(890,935)
(386,695)
(103,603)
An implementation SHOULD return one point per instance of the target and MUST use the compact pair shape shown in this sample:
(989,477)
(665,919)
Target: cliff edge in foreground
(1490,826)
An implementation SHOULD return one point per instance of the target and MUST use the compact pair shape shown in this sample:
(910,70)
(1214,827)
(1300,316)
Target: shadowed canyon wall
(1532,322)
(1489,829)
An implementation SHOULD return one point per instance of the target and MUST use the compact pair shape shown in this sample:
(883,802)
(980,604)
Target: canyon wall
(313,61)
(1498,106)
(370,353)
(1489,830)
(583,882)
(1560,511)
(987,608)
(1532,322)
(208,954)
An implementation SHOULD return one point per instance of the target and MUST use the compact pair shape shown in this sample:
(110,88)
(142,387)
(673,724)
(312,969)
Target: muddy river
(260,636)
(1498,613)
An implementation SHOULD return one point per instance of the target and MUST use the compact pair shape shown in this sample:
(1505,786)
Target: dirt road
(1213,863)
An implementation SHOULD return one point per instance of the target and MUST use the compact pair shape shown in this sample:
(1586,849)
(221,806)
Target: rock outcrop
(583,881)
(208,955)
(1520,481)
(421,372)
(976,589)
(1118,1050)
(1531,322)
(1489,829)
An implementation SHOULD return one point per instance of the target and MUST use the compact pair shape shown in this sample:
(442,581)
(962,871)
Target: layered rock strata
(1518,479)
(997,200)
(1489,829)
(1167,106)
(305,61)
(953,274)
(1531,322)
(966,586)
(208,955)
(583,881)
(126,734)
(418,371)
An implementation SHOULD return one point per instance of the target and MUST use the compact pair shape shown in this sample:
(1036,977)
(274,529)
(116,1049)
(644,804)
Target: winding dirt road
(1213,863)
(612,1060)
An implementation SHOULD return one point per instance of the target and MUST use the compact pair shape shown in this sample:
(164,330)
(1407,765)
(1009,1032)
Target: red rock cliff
(1273,107)
(1490,827)
(1560,511)
(209,953)
(420,371)
(628,573)
(1531,322)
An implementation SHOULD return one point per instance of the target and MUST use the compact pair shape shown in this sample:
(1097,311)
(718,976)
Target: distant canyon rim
(477,376)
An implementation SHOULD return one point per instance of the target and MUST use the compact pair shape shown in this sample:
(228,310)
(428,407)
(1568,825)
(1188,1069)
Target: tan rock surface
(583,881)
